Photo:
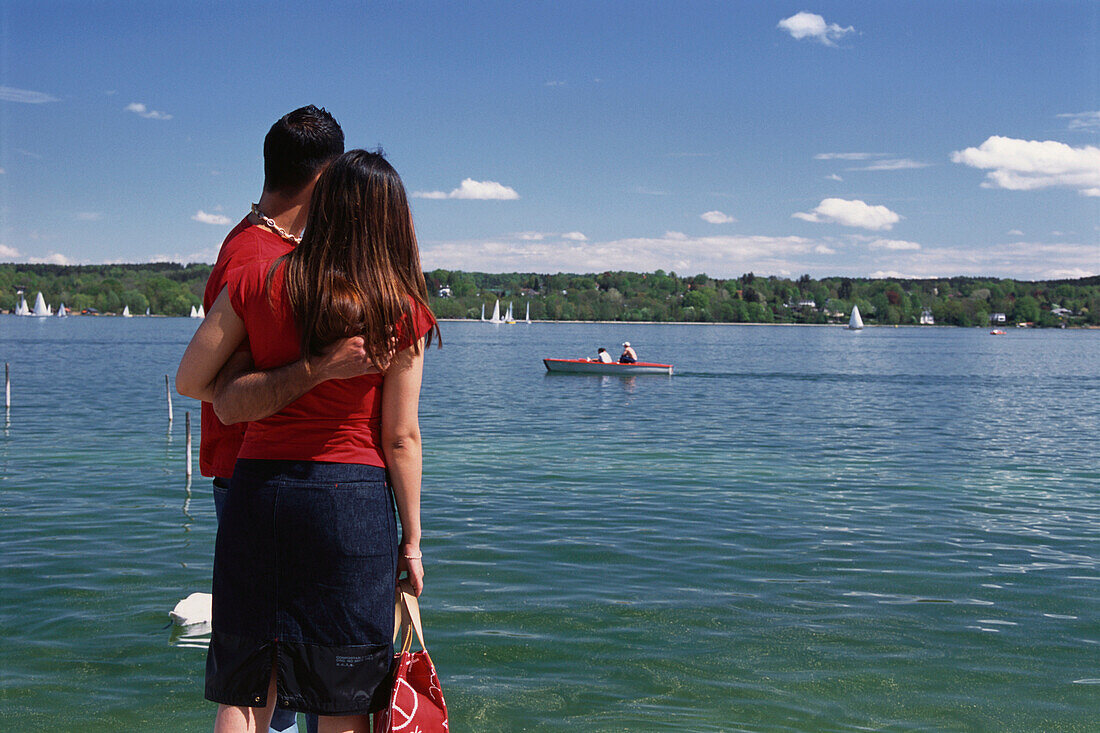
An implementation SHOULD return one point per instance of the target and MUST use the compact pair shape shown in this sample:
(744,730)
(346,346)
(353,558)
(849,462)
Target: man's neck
(288,213)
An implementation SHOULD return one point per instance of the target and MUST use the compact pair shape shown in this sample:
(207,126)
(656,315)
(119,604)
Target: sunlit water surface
(803,529)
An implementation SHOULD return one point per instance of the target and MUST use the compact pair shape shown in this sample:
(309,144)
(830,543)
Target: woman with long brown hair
(307,555)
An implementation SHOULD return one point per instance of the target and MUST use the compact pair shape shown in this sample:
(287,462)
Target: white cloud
(717,217)
(150,114)
(813,26)
(893,244)
(893,164)
(847,156)
(575,237)
(1026,165)
(204,218)
(209,255)
(530,236)
(555,83)
(824,249)
(854,213)
(473,190)
(834,177)
(1015,232)
(1082,120)
(1021,260)
(53,258)
(25,96)
(6,251)
(89,216)
(721,256)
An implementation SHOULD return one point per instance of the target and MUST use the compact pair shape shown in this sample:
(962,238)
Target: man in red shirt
(296,151)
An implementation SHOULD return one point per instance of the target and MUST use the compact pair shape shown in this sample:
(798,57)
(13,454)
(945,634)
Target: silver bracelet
(415,557)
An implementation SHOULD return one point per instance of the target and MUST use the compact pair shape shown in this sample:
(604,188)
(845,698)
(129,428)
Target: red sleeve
(422,322)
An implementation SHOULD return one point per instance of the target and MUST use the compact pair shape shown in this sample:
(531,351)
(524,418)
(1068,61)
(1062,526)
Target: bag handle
(406,613)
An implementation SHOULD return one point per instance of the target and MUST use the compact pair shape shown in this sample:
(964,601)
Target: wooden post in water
(187,416)
(168,394)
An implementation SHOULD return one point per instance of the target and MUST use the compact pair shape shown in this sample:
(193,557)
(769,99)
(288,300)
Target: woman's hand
(410,560)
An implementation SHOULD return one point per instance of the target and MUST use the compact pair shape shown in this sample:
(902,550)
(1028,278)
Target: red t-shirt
(339,420)
(220,443)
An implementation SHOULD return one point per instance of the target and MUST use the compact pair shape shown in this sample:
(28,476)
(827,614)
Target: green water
(803,529)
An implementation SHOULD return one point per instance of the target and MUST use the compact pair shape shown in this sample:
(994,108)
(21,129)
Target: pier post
(187,416)
(168,394)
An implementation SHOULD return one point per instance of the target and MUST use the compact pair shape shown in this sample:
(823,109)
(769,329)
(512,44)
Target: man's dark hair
(298,146)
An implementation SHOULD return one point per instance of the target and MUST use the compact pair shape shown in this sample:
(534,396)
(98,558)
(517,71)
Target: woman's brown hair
(357,270)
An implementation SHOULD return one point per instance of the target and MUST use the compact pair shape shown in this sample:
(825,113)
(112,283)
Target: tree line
(172,289)
(666,296)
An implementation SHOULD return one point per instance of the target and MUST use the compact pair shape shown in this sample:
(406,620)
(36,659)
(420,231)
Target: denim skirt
(304,573)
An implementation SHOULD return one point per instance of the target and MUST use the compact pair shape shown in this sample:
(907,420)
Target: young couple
(309,365)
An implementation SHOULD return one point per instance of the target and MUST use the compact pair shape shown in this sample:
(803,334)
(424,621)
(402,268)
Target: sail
(62,311)
(126,312)
(40,308)
(496,313)
(856,322)
(146,310)
(483,311)
(527,318)
(21,308)
(201,313)
(194,313)
(508,316)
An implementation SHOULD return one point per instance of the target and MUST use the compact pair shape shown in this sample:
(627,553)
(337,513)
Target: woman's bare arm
(401,448)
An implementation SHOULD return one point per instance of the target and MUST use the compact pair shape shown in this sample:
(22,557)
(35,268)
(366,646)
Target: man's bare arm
(244,394)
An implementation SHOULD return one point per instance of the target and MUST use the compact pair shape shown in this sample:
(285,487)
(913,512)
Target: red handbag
(416,703)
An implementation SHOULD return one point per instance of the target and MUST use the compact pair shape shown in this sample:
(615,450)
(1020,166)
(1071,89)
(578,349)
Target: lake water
(803,529)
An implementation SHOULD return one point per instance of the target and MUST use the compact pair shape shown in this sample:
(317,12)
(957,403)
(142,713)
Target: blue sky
(831,138)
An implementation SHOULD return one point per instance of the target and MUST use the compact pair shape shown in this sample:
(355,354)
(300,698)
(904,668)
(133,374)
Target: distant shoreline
(785,325)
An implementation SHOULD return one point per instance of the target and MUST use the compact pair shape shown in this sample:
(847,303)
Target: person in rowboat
(603,356)
(629,356)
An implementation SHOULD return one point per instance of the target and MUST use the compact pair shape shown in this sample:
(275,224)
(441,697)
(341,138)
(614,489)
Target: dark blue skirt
(304,572)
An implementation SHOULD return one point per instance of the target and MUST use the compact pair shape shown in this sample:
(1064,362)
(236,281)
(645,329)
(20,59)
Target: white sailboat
(202,311)
(62,311)
(855,323)
(482,311)
(126,312)
(508,316)
(40,308)
(21,308)
(194,313)
(496,313)
(146,310)
(527,318)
